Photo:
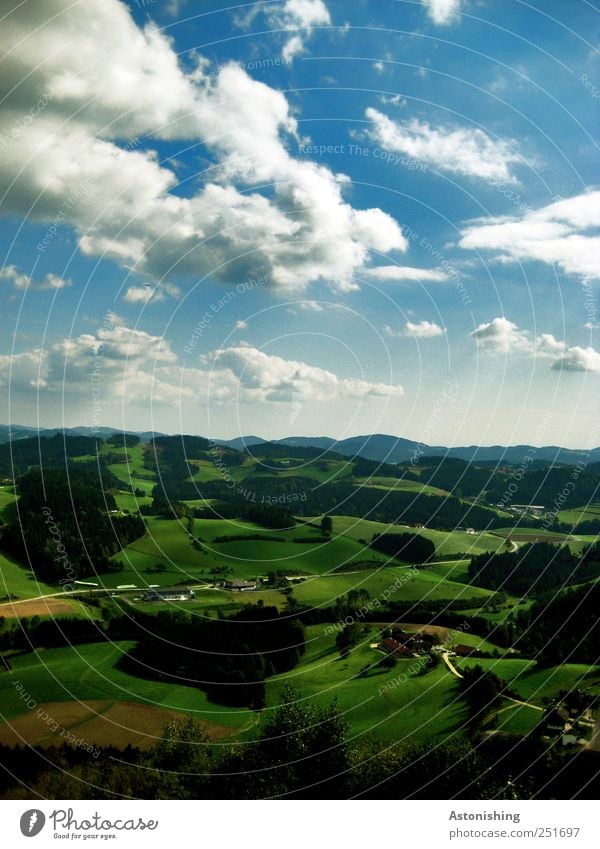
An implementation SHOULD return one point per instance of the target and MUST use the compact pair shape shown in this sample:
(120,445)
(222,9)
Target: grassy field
(405,703)
(90,672)
(19,581)
(392,583)
(446,542)
(129,502)
(537,685)
(398,705)
(401,485)
(169,544)
(131,471)
(580,514)
(517,719)
(7,502)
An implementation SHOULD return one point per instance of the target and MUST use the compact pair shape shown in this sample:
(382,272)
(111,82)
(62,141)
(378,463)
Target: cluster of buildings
(186,594)
(574,727)
(404,644)
(536,510)
(168,594)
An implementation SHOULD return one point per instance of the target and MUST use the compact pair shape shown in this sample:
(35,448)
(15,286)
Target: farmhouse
(392,646)
(240,586)
(168,594)
(464,651)
(522,509)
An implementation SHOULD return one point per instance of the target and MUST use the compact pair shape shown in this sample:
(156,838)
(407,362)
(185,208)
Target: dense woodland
(411,548)
(62,526)
(561,628)
(229,658)
(535,568)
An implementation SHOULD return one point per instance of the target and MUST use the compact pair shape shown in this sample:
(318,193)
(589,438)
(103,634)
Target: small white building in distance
(169,594)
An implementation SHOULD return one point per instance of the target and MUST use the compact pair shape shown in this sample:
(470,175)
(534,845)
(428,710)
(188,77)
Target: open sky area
(304,217)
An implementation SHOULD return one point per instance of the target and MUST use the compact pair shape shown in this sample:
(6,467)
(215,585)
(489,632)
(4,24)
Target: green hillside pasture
(539,685)
(19,581)
(383,704)
(517,719)
(401,485)
(446,542)
(7,502)
(388,583)
(89,672)
(133,457)
(208,471)
(132,471)
(130,502)
(336,470)
(168,543)
(578,543)
(396,704)
(452,570)
(580,514)
(295,557)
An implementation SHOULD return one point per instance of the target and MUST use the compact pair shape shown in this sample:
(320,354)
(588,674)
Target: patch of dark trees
(412,548)
(19,456)
(251,537)
(62,528)
(535,568)
(561,628)
(524,485)
(227,658)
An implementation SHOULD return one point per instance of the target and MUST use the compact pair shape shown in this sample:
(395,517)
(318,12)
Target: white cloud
(459,150)
(139,294)
(241,325)
(547,346)
(419,330)
(149,292)
(400,272)
(443,12)
(424,329)
(92,172)
(557,233)
(501,336)
(392,100)
(379,67)
(23,371)
(117,361)
(292,48)
(22,281)
(263,377)
(578,359)
(312,306)
(300,15)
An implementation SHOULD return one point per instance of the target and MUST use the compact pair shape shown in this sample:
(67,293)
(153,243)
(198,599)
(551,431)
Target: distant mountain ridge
(382,448)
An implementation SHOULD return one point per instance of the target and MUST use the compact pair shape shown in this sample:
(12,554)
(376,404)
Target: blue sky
(302,217)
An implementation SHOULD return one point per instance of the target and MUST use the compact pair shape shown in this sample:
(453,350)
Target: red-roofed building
(392,646)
